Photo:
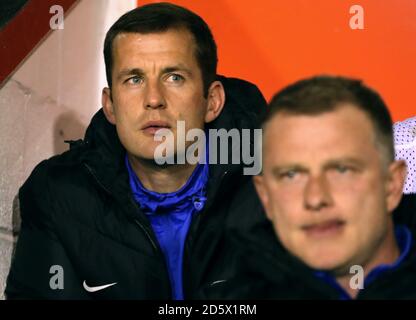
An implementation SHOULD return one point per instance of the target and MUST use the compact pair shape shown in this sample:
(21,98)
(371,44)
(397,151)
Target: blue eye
(175,78)
(134,80)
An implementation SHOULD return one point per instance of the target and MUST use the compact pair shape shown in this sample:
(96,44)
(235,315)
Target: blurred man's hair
(321,94)
(161,17)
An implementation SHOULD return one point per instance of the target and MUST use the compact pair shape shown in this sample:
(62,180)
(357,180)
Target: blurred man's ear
(216,101)
(394,186)
(259,183)
(107,103)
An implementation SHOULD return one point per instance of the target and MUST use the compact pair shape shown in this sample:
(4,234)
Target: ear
(216,101)
(394,187)
(259,183)
(107,103)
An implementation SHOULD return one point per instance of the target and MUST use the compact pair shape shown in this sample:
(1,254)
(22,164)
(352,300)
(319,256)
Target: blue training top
(170,215)
(404,241)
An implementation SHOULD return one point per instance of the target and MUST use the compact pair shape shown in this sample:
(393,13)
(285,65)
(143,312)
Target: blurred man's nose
(154,95)
(317,194)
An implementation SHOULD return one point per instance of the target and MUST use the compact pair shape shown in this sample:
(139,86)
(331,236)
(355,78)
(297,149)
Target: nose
(154,97)
(317,193)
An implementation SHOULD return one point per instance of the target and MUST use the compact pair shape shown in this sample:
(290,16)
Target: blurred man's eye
(290,174)
(344,169)
(341,169)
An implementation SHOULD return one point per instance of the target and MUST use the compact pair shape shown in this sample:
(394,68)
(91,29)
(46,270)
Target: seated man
(329,186)
(106,220)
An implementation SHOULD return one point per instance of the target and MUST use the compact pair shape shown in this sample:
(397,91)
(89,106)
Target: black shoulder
(405,213)
(34,196)
(37,193)
(244,94)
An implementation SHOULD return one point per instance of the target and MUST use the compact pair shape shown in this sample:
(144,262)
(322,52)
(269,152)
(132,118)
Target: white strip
(216,282)
(94,289)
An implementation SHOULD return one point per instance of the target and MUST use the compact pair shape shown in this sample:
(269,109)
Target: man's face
(327,189)
(156,82)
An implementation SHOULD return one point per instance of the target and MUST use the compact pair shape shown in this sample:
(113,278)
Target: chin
(324,261)
(142,154)
(324,266)
(144,151)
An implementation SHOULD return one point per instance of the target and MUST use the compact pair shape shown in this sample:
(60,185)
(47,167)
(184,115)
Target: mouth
(151,127)
(324,229)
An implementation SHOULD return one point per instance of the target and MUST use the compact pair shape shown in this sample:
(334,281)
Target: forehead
(343,132)
(177,45)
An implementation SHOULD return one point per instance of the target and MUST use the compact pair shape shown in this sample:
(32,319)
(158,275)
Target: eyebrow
(279,169)
(140,72)
(179,67)
(326,165)
(130,72)
(347,160)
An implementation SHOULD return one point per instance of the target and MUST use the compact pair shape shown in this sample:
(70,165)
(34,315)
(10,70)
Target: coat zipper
(214,195)
(147,235)
(187,251)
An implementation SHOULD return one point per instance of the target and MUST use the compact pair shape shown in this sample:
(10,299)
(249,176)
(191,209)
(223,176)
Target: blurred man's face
(327,189)
(156,82)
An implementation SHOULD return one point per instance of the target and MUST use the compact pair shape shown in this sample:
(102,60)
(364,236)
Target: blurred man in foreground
(329,187)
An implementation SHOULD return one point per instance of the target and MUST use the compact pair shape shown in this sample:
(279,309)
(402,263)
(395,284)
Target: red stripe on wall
(21,35)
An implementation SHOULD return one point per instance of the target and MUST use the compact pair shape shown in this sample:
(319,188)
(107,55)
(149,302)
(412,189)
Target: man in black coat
(330,188)
(113,218)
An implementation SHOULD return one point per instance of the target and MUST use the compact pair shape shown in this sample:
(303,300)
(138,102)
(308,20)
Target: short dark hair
(161,17)
(322,94)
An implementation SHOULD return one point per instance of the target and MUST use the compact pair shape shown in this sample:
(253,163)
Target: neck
(161,179)
(387,253)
